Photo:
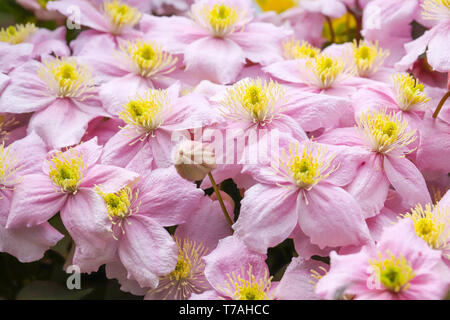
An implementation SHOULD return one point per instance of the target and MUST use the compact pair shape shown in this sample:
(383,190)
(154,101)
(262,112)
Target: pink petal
(116,270)
(332,217)
(438,48)
(110,178)
(12,56)
(147,251)
(217,60)
(268,216)
(288,70)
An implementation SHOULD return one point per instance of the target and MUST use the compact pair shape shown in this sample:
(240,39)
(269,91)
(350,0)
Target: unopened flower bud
(193,160)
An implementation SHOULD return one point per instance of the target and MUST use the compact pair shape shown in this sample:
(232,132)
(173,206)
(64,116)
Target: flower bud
(193,160)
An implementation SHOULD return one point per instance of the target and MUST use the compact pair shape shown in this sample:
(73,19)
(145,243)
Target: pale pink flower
(218,38)
(21,158)
(400,267)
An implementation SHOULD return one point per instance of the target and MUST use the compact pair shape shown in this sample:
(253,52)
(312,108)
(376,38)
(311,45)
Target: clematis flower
(151,120)
(62,90)
(434,42)
(217,39)
(236,273)
(114,18)
(386,137)
(302,188)
(44,42)
(130,69)
(22,157)
(400,267)
(195,238)
(65,183)
(136,216)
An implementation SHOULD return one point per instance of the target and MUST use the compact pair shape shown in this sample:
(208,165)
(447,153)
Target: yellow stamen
(309,168)
(394,273)
(146,113)
(299,50)
(385,132)
(8,168)
(436,9)
(368,57)
(254,100)
(187,278)
(5,124)
(276,5)
(66,78)
(409,92)
(324,70)
(117,204)
(432,224)
(120,15)
(220,19)
(148,59)
(66,170)
(244,286)
(18,33)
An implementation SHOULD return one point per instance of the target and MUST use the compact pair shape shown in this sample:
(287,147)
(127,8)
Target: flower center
(146,113)
(276,5)
(299,50)
(18,33)
(66,78)
(324,70)
(245,286)
(394,273)
(148,59)
(120,15)
(368,57)
(385,132)
(253,100)
(117,204)
(409,92)
(66,171)
(431,224)
(436,9)
(220,19)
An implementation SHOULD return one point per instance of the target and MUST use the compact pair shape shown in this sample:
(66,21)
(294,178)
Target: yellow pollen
(254,100)
(368,57)
(148,59)
(18,33)
(394,273)
(409,92)
(66,170)
(308,168)
(245,286)
(436,9)
(299,50)
(120,15)
(325,70)
(187,278)
(66,78)
(276,5)
(146,113)
(117,204)
(385,132)
(220,19)
(432,224)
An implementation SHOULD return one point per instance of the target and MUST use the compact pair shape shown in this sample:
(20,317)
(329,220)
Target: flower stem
(219,197)
(441,104)
(330,26)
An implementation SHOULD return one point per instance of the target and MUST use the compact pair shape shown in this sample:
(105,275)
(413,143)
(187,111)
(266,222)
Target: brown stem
(219,197)
(441,104)
(330,26)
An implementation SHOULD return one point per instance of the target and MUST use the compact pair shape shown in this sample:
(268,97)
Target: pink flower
(154,121)
(135,217)
(65,183)
(302,188)
(434,42)
(386,138)
(62,90)
(218,38)
(21,158)
(195,238)
(400,267)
